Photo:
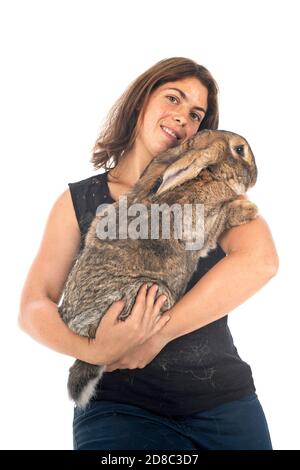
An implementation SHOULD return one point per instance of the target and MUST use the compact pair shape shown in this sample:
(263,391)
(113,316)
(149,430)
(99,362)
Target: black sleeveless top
(194,372)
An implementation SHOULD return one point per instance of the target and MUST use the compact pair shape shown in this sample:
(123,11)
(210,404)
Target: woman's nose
(180,118)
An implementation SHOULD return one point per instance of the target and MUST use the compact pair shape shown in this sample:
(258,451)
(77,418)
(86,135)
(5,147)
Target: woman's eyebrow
(183,95)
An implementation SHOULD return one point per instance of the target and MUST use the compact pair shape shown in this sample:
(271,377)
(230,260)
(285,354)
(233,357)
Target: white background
(63,65)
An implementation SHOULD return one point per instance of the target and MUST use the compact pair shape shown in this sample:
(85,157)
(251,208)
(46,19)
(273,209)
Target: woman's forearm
(228,284)
(40,319)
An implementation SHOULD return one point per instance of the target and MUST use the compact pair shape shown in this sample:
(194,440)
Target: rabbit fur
(212,168)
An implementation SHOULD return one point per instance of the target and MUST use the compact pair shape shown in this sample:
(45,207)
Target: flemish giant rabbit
(212,168)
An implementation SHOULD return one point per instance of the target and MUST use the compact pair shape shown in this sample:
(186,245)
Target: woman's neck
(130,167)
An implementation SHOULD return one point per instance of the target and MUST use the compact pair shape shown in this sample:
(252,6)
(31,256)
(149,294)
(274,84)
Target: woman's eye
(169,96)
(199,119)
(176,99)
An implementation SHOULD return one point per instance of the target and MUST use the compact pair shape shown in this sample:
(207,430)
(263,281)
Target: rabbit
(211,168)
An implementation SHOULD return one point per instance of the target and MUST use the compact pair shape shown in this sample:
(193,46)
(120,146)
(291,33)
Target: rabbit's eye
(240,150)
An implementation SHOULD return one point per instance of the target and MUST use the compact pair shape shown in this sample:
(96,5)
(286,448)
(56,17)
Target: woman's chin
(166,146)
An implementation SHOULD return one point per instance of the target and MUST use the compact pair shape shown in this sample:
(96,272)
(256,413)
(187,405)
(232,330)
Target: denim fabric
(236,425)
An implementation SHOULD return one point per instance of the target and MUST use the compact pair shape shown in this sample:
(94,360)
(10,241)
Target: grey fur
(212,168)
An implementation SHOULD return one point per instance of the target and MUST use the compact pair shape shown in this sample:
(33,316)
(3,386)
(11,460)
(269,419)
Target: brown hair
(119,131)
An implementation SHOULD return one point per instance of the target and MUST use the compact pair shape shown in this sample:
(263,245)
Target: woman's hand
(140,356)
(115,338)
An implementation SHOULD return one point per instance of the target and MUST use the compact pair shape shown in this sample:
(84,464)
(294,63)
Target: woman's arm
(38,315)
(250,263)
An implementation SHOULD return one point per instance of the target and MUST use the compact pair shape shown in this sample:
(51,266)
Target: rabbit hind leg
(82,382)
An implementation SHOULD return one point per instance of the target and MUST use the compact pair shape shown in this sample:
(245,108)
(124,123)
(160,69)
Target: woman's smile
(168,133)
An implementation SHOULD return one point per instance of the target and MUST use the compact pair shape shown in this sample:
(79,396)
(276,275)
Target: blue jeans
(236,425)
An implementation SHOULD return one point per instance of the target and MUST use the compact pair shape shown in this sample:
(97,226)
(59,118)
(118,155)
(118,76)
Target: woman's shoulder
(94,179)
(87,194)
(63,208)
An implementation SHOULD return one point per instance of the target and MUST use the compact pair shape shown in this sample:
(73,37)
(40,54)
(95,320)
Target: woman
(185,386)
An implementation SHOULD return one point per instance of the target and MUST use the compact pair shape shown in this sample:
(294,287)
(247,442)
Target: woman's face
(168,111)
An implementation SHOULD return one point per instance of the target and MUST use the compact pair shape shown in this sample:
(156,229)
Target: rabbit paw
(126,310)
(240,212)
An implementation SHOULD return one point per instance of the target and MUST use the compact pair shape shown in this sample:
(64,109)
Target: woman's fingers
(159,304)
(160,322)
(152,313)
(151,296)
(160,319)
(141,297)
(145,313)
(140,303)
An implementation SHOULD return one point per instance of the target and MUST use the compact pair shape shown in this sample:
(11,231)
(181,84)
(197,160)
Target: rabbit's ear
(171,155)
(187,168)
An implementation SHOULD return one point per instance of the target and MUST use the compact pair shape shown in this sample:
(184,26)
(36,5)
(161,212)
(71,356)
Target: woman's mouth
(169,134)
